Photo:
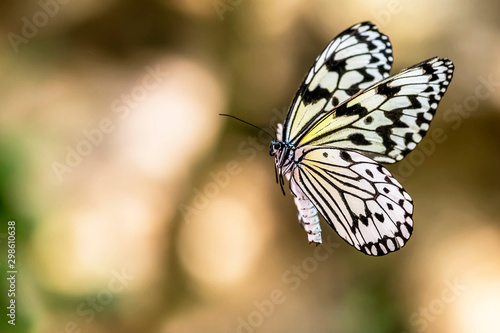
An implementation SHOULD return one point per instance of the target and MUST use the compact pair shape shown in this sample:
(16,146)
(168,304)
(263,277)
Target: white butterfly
(347,117)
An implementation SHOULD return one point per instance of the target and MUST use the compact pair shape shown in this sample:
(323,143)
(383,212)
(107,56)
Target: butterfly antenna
(246,122)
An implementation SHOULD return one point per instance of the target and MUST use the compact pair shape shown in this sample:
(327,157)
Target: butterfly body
(347,117)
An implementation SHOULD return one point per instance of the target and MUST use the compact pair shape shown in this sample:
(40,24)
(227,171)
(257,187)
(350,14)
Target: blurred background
(138,208)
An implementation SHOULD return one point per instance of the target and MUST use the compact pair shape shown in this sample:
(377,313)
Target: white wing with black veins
(358,198)
(386,121)
(354,60)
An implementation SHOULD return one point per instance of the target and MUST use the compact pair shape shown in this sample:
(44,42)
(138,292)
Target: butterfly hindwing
(387,120)
(354,60)
(357,197)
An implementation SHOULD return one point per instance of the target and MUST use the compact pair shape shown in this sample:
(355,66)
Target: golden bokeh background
(139,209)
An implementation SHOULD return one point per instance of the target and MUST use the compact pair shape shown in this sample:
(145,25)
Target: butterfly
(347,118)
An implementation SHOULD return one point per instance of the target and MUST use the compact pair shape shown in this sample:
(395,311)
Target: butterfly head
(275,147)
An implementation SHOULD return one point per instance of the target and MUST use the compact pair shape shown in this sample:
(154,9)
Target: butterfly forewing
(354,60)
(358,197)
(386,121)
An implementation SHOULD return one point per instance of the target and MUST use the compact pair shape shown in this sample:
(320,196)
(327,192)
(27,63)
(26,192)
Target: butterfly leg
(308,215)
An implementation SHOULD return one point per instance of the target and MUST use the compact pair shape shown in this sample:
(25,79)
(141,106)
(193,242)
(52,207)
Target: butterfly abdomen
(308,215)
